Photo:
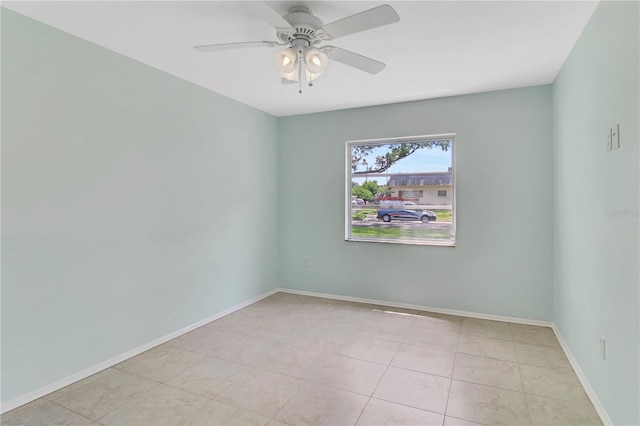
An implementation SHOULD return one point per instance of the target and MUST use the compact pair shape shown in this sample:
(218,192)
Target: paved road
(374,222)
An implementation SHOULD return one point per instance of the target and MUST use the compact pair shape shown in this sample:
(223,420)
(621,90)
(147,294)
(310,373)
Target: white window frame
(386,141)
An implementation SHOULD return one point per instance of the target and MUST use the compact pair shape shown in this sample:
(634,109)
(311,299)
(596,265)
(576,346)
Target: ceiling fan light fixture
(315,61)
(286,61)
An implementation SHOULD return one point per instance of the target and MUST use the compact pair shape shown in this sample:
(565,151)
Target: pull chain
(300,71)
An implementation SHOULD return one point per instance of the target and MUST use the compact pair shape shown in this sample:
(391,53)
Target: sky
(422,161)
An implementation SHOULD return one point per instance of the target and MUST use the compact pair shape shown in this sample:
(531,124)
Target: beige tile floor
(297,360)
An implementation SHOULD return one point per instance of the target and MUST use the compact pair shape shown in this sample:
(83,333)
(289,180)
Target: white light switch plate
(615,137)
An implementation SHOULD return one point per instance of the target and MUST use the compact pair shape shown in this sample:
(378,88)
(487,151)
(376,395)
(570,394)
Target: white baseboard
(421,308)
(604,416)
(45,390)
(572,360)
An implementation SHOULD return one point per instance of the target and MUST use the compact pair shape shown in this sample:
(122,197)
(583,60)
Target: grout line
(217,400)
(128,401)
(284,374)
(68,409)
(287,403)
(379,381)
(446,405)
(331,352)
(489,386)
(459,418)
(453,368)
(192,392)
(408,406)
(157,383)
(365,406)
(522,383)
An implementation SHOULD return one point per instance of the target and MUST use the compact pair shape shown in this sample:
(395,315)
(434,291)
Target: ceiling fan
(302,32)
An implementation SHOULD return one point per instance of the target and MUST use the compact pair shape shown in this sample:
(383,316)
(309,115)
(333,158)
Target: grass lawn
(443,215)
(417,232)
(361,214)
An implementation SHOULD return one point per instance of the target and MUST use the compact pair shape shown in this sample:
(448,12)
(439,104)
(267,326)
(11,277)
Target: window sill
(402,241)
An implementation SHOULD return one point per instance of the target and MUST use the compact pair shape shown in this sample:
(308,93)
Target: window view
(401,191)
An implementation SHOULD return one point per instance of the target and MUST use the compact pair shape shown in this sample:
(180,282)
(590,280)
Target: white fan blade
(286,81)
(230,46)
(353,59)
(372,18)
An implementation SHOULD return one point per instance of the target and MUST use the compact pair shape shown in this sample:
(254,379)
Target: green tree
(360,163)
(385,191)
(372,186)
(361,192)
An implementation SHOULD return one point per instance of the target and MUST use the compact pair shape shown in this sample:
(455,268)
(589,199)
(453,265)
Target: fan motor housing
(304,25)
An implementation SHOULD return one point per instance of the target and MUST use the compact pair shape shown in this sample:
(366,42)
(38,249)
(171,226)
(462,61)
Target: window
(401,190)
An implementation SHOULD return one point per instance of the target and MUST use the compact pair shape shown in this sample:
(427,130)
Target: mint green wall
(502,262)
(596,256)
(128,204)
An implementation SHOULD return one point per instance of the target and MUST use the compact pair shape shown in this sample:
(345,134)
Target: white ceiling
(439,48)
